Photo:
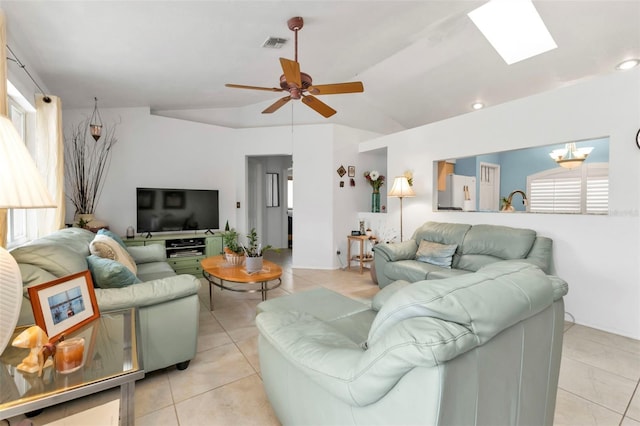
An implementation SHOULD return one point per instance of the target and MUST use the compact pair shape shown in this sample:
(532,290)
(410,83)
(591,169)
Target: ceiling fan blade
(291,71)
(333,89)
(276,105)
(242,86)
(319,106)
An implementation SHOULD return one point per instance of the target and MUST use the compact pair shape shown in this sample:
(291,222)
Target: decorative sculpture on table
(36,339)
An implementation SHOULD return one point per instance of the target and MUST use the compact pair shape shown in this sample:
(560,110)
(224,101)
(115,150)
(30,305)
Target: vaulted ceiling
(420,61)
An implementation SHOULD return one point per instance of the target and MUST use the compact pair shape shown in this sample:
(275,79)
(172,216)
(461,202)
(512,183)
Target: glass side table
(111,359)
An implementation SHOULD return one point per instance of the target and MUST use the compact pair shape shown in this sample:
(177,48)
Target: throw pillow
(113,236)
(107,247)
(436,253)
(107,273)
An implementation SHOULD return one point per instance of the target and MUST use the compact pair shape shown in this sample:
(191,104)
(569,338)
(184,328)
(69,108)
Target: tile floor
(598,385)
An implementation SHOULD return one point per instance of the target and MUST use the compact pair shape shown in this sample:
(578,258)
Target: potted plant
(254,251)
(233,253)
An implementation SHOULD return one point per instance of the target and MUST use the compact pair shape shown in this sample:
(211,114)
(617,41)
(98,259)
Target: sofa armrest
(147,293)
(397,251)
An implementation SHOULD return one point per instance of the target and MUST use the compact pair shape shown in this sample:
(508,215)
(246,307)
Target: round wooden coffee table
(216,270)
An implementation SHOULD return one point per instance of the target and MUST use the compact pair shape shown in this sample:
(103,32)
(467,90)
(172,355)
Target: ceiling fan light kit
(300,85)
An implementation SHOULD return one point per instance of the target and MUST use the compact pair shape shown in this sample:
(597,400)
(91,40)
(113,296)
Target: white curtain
(49,158)
(3,109)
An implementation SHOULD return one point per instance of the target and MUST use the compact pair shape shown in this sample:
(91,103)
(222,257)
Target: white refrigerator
(460,193)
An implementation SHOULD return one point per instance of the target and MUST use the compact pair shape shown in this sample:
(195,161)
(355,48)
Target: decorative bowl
(234,259)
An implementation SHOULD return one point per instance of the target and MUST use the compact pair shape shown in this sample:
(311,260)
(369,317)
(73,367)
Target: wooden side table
(362,239)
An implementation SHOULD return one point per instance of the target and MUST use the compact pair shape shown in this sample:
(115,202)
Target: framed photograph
(173,200)
(64,305)
(352,171)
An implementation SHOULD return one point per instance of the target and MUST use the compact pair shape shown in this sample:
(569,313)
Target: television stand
(209,231)
(184,250)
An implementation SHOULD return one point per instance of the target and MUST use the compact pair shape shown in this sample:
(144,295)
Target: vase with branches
(86,165)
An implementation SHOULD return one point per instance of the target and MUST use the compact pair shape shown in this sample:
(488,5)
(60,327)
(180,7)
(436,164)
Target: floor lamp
(401,189)
(21,186)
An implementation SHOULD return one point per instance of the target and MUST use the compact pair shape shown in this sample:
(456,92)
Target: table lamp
(21,186)
(401,189)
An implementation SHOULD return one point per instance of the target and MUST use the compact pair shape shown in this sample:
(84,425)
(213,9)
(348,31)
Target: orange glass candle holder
(70,355)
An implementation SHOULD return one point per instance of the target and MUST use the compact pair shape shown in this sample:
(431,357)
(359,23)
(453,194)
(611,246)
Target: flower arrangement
(375,179)
(409,175)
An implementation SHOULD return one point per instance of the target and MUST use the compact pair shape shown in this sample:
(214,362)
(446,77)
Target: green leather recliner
(476,246)
(479,349)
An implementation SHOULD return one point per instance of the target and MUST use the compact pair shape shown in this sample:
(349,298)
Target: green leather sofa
(476,246)
(479,349)
(167,303)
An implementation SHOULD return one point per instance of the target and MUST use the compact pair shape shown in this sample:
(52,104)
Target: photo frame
(341,171)
(64,305)
(352,171)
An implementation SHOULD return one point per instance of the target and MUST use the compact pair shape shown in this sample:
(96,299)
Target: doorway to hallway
(268,198)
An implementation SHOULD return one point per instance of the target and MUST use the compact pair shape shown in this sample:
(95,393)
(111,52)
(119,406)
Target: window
(582,190)
(17,218)
(290,192)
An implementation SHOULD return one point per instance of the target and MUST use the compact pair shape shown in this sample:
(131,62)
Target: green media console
(184,250)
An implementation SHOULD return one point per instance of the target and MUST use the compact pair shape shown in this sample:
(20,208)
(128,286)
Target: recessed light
(477,105)
(628,64)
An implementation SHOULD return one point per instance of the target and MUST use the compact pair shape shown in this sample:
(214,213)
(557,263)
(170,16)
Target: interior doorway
(267,198)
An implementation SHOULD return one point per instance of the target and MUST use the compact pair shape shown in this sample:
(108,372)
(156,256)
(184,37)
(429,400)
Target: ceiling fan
(299,84)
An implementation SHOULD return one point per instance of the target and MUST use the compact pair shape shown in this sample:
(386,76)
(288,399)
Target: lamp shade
(21,185)
(401,188)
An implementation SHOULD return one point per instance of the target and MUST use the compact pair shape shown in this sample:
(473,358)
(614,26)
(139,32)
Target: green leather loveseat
(483,348)
(167,303)
(469,249)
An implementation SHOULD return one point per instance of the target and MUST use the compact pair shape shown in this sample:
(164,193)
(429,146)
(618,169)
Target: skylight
(514,28)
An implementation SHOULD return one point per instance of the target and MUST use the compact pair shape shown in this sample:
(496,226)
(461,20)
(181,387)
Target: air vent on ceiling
(274,42)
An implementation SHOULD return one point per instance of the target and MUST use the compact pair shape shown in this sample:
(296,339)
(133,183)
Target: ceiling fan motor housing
(292,88)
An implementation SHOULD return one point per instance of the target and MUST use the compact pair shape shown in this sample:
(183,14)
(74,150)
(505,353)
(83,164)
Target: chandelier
(570,157)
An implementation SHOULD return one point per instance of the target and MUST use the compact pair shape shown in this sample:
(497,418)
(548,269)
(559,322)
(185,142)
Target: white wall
(349,200)
(159,152)
(599,256)
(154,151)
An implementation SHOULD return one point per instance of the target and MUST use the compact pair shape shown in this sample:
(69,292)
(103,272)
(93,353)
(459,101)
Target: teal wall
(516,165)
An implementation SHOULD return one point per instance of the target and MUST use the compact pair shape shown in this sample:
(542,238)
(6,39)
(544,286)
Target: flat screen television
(164,210)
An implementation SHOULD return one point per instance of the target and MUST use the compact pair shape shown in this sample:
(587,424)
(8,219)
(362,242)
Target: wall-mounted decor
(341,171)
(341,184)
(64,305)
(273,190)
(352,171)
